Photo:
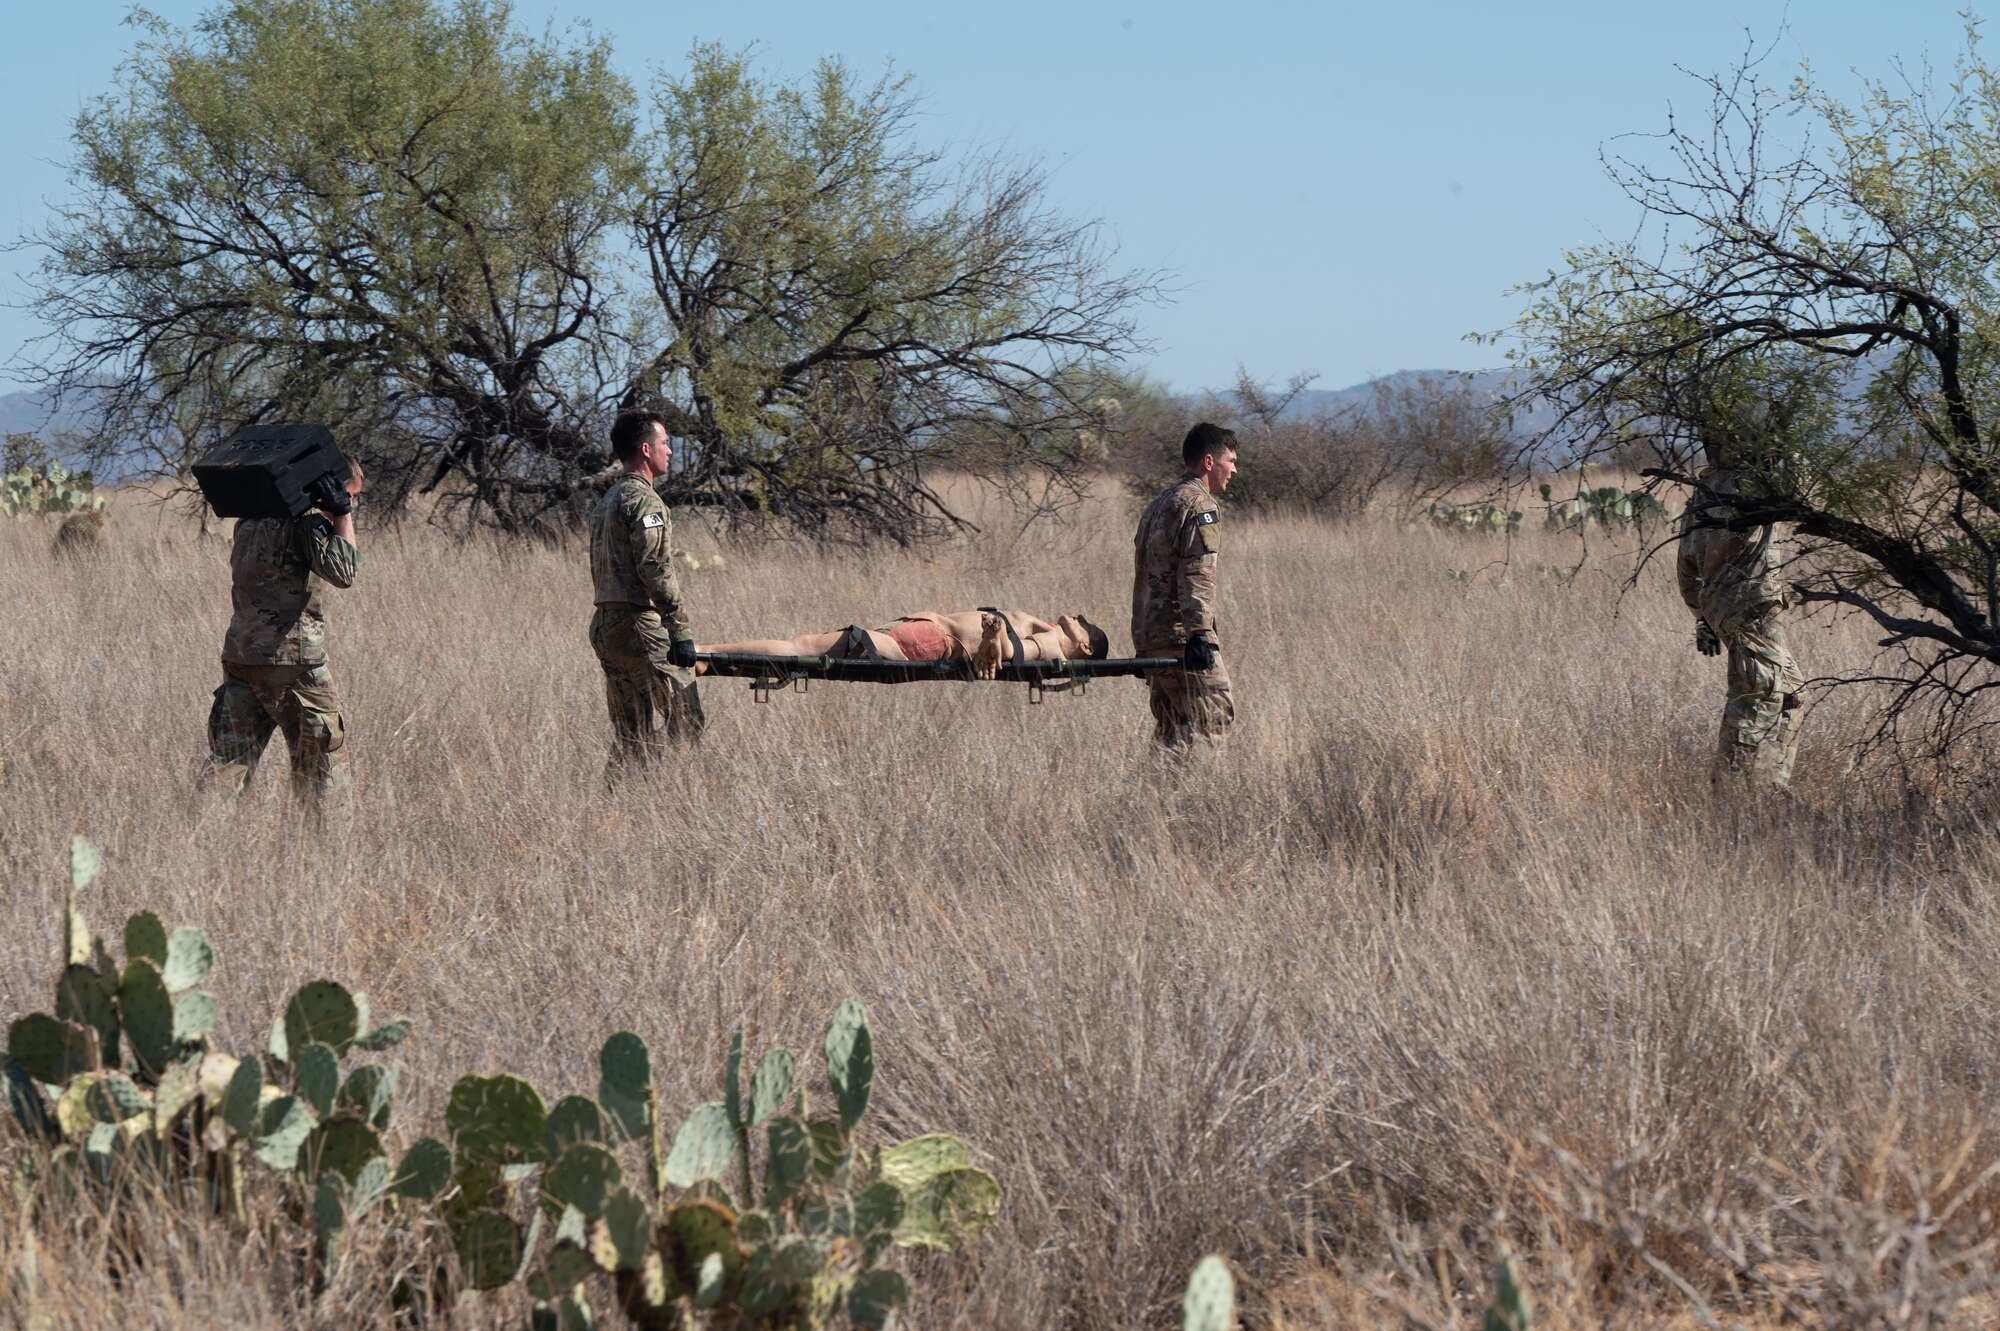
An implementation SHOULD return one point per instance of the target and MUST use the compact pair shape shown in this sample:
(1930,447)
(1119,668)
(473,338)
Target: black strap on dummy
(858,646)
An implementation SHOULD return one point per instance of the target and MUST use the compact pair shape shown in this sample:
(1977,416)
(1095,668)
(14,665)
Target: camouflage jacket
(1727,576)
(276,569)
(631,553)
(1173,568)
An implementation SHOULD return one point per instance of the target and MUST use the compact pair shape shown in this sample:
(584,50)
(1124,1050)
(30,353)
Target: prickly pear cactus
(1210,1301)
(497,1119)
(703,1148)
(1509,1309)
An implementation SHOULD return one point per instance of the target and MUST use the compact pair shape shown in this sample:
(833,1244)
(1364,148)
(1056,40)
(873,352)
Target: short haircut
(631,429)
(354,472)
(1205,439)
(1100,641)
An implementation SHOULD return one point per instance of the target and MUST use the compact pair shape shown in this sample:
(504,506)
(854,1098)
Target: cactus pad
(282,1128)
(566,1267)
(84,996)
(788,1162)
(324,1012)
(829,1149)
(625,1085)
(732,1079)
(341,1147)
(644,1294)
(622,1236)
(52,1051)
(875,1298)
(704,1230)
(878,1211)
(945,1202)
(368,1093)
(703,1147)
(244,1099)
(772,1084)
(1210,1302)
(195,1017)
(497,1119)
(146,937)
(779,1273)
(317,1068)
(584,1176)
(850,1061)
(1509,1309)
(148,1012)
(575,1119)
(425,1171)
(84,863)
(386,1036)
(489,1249)
(113,1098)
(26,1103)
(179,1088)
(189,960)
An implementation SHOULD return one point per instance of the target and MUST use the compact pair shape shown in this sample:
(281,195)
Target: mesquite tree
(467,248)
(1815,288)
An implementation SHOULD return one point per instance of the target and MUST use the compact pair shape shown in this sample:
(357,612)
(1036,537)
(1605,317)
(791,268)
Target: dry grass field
(1451,944)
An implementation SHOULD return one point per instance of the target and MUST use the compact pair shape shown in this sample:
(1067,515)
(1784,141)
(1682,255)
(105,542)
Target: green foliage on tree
(467,247)
(1814,300)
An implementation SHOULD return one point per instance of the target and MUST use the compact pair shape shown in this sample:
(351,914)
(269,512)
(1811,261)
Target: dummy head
(1083,638)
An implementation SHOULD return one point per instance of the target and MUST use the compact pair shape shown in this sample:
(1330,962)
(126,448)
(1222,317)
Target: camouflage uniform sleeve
(650,528)
(1195,576)
(324,553)
(1687,566)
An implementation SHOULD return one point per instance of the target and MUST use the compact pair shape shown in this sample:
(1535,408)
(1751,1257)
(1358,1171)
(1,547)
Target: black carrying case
(269,471)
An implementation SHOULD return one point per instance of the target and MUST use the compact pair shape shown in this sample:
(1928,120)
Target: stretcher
(768,674)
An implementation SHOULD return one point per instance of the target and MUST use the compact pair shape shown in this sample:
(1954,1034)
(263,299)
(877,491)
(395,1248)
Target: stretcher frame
(768,674)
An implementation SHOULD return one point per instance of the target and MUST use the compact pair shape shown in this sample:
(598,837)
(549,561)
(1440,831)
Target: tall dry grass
(1451,944)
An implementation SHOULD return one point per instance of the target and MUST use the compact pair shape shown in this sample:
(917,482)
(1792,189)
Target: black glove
(330,495)
(682,653)
(1705,640)
(1200,655)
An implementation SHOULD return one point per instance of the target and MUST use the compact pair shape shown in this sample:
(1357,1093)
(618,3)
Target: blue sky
(1340,188)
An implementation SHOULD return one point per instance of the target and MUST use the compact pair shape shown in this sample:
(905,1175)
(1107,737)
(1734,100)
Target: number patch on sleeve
(653,520)
(1207,519)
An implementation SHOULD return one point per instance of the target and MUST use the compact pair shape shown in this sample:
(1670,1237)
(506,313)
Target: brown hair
(631,429)
(1205,439)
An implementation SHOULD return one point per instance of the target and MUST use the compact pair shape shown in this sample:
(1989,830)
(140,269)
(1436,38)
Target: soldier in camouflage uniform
(1173,594)
(274,672)
(1731,580)
(640,631)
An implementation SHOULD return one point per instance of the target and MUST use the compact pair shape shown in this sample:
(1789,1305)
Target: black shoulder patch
(1207,519)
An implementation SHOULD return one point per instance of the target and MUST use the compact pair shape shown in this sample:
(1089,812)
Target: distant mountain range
(27,412)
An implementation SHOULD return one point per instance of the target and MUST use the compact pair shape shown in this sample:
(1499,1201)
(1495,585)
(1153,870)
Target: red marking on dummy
(921,640)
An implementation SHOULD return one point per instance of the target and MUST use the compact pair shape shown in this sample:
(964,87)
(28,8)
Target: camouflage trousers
(1189,704)
(653,702)
(1760,721)
(299,700)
